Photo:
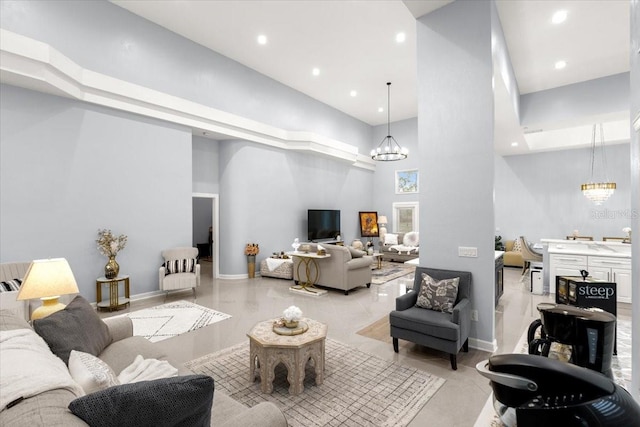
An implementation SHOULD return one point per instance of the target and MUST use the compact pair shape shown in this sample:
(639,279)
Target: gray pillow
(438,295)
(356,253)
(76,327)
(176,401)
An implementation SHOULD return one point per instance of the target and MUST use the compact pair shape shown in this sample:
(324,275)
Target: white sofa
(341,271)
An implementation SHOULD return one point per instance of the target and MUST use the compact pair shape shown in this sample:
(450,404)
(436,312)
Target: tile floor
(457,403)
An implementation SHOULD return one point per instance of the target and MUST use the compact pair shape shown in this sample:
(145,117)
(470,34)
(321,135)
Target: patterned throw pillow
(183,401)
(90,372)
(438,295)
(10,285)
(517,247)
(180,265)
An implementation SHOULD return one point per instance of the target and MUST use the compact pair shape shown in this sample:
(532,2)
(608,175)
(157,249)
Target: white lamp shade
(382,219)
(48,278)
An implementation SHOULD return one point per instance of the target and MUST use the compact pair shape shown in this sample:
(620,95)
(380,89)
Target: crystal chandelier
(598,192)
(389,149)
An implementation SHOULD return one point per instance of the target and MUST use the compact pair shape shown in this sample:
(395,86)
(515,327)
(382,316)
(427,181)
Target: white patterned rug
(169,320)
(390,271)
(359,389)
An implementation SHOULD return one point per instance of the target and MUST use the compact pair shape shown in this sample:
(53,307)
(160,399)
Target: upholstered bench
(277,267)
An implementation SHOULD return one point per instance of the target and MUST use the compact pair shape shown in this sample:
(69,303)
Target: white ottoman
(276,267)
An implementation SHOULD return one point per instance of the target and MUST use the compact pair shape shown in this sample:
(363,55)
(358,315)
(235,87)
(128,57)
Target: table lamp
(48,279)
(382,229)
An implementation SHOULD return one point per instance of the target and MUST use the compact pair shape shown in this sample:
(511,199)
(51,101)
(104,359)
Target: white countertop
(498,254)
(589,248)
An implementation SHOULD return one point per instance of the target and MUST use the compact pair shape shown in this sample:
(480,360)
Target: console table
(312,271)
(115,302)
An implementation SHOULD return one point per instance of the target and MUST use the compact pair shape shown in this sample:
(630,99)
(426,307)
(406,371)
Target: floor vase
(251,266)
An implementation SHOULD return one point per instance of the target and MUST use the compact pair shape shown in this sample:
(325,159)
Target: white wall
(265,194)
(538,195)
(69,169)
(455,133)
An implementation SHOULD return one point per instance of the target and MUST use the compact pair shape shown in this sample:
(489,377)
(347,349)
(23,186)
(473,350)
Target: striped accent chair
(180,270)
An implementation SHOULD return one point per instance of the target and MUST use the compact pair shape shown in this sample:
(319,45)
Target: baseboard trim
(488,346)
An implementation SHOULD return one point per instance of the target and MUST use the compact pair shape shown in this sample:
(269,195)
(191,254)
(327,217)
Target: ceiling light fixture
(598,192)
(559,17)
(514,144)
(389,150)
(315,71)
(380,109)
(353,93)
(560,65)
(262,39)
(401,37)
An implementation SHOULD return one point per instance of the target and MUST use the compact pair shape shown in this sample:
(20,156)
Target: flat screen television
(323,224)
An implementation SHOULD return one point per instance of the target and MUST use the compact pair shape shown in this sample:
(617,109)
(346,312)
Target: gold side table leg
(113,295)
(98,292)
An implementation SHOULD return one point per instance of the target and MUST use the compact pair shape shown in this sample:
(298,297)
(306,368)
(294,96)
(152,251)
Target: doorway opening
(206,214)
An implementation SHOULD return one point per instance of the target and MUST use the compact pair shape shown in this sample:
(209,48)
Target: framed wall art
(369,224)
(407,181)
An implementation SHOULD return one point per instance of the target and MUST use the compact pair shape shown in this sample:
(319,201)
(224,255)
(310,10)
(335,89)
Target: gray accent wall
(594,97)
(69,169)
(455,134)
(265,193)
(538,195)
(406,133)
(206,168)
(634,61)
(106,38)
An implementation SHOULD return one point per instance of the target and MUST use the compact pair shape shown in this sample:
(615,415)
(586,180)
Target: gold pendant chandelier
(598,192)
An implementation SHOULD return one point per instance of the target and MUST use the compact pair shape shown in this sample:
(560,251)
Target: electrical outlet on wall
(469,252)
(474,315)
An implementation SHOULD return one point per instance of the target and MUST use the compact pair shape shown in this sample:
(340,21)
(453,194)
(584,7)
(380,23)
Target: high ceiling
(353,45)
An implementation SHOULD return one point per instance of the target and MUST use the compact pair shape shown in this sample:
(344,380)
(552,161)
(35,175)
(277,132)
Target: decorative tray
(280,329)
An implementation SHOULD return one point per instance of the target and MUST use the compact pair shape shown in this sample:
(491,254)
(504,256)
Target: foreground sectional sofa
(50,407)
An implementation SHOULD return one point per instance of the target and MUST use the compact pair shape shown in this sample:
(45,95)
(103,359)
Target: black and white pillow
(186,265)
(438,295)
(10,285)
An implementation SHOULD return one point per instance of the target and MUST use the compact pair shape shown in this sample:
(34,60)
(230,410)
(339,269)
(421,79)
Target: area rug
(620,367)
(359,389)
(390,271)
(169,320)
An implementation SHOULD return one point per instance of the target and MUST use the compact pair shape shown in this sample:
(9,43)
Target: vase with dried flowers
(109,245)
(251,250)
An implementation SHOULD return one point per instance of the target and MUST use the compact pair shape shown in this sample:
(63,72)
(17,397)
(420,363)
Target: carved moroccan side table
(267,349)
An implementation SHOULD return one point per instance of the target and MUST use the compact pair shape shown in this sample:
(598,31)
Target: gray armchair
(434,329)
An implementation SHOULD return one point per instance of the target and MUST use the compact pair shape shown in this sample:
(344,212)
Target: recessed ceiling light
(315,71)
(560,65)
(559,17)
(514,144)
(401,37)
(380,110)
(353,93)
(262,39)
